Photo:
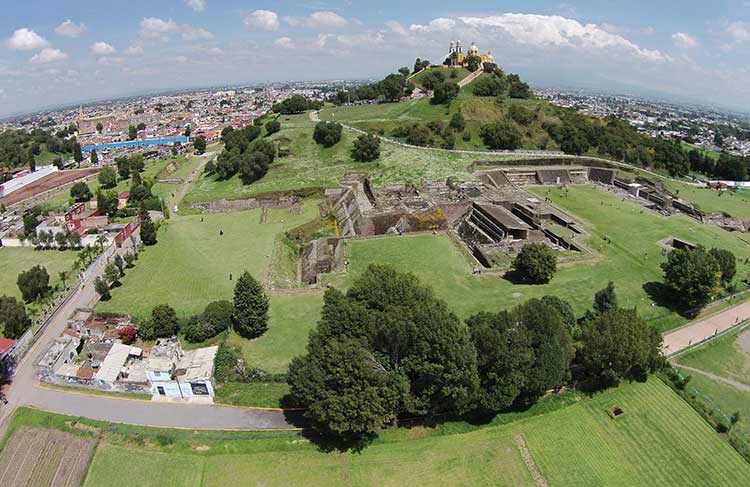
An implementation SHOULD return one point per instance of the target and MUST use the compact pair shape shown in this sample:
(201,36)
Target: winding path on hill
(315,117)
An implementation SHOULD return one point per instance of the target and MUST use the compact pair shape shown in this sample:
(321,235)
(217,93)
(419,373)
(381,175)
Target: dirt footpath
(705,328)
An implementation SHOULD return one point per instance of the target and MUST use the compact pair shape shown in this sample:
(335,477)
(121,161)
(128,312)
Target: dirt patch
(201,448)
(539,479)
(743,341)
(420,432)
(35,456)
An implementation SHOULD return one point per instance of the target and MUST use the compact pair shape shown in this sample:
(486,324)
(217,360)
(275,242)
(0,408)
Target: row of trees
(66,239)
(296,104)
(391,89)
(727,167)
(389,348)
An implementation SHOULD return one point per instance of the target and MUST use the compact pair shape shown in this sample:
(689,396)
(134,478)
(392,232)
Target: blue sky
(64,51)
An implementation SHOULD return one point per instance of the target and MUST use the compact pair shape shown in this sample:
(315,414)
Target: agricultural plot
(658,441)
(34,456)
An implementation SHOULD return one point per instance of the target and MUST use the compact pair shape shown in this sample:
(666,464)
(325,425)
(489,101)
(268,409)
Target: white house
(176,373)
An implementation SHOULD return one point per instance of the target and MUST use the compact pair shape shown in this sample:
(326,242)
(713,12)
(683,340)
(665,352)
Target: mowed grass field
(658,441)
(727,356)
(190,267)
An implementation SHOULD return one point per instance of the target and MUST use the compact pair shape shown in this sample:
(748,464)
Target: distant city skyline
(60,52)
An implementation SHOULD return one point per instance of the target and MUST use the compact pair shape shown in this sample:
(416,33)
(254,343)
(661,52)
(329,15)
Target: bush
(164,321)
(225,362)
(366,148)
(218,315)
(536,263)
(327,134)
(273,126)
(445,92)
(127,334)
(501,135)
(197,330)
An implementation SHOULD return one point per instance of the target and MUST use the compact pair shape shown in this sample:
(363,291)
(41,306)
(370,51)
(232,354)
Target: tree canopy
(250,307)
(536,263)
(327,134)
(366,148)
(691,277)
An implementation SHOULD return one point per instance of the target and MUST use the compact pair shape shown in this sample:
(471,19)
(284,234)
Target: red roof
(124,195)
(5,344)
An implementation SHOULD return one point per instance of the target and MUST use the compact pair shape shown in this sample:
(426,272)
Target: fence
(738,434)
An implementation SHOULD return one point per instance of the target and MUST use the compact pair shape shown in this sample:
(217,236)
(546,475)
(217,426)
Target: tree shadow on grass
(661,295)
(514,277)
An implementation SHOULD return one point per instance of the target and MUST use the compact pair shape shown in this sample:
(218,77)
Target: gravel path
(706,328)
(737,385)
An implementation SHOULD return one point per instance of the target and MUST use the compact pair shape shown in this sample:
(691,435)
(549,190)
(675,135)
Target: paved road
(705,328)
(718,378)
(24,391)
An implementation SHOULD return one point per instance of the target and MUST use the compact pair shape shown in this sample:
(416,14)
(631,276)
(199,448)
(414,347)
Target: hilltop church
(457,58)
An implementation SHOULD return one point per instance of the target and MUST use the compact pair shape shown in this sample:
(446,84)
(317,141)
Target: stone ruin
(281,201)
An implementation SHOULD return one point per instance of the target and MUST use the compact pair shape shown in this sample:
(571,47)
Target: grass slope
(710,201)
(310,165)
(659,441)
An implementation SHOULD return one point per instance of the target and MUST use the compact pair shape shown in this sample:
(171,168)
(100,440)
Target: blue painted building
(137,143)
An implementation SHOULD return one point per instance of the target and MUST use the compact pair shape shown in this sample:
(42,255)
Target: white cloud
(70,29)
(544,31)
(196,34)
(684,40)
(110,61)
(134,50)
(154,28)
(48,55)
(181,59)
(263,20)
(26,40)
(318,21)
(102,49)
(739,30)
(397,28)
(196,5)
(284,43)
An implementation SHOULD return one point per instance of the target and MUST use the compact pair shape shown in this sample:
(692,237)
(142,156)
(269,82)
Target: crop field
(311,166)
(34,456)
(658,441)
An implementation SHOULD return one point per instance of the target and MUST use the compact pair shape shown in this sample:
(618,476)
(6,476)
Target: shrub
(164,321)
(501,135)
(366,148)
(127,334)
(536,263)
(327,134)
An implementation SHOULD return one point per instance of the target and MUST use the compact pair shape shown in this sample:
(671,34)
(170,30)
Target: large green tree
(536,263)
(619,344)
(445,92)
(250,307)
(80,192)
(691,277)
(164,321)
(148,229)
(504,356)
(33,283)
(200,144)
(107,177)
(13,318)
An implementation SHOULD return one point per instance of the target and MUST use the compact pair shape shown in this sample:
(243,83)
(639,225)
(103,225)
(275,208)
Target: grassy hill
(385,118)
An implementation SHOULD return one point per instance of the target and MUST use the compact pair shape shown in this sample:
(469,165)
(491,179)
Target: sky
(56,52)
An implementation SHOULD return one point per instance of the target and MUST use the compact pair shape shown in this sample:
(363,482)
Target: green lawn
(659,441)
(710,201)
(15,260)
(291,317)
(727,356)
(191,264)
(253,394)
